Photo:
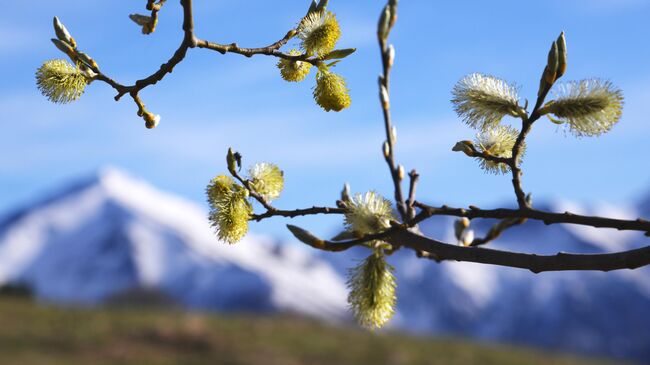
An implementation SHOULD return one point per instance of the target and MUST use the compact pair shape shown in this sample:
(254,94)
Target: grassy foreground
(34,334)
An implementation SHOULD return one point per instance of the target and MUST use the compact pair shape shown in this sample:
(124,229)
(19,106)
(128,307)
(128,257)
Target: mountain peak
(108,175)
(110,232)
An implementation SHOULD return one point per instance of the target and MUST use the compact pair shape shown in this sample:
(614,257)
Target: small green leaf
(339,54)
(556,121)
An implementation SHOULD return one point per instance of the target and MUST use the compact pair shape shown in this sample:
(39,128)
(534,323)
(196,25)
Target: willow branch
(640,225)
(517,153)
(518,149)
(389,155)
(296,212)
(338,246)
(440,251)
(414,177)
(191,41)
(270,50)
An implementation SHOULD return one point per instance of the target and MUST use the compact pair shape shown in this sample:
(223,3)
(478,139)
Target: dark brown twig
(440,251)
(414,177)
(296,212)
(529,213)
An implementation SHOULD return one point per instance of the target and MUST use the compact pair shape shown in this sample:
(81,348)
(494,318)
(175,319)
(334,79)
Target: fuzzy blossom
(294,71)
(330,92)
(372,291)
(368,213)
(590,107)
(60,81)
(497,142)
(267,179)
(230,211)
(482,101)
(319,32)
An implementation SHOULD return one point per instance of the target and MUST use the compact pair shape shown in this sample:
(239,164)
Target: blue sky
(212,101)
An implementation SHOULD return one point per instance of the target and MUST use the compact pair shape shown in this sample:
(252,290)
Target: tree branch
(529,213)
(440,251)
(387,55)
(191,41)
(517,152)
(296,213)
(271,50)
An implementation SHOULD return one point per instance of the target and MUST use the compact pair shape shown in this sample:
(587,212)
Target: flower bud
(65,48)
(460,225)
(62,33)
(386,149)
(383,27)
(383,97)
(151,120)
(391,55)
(345,193)
(562,55)
(550,73)
(467,238)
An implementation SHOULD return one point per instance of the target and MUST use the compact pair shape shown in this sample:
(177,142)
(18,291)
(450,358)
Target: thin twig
(384,86)
(414,177)
(296,212)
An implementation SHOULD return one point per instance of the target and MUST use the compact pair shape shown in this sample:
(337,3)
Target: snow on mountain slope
(112,233)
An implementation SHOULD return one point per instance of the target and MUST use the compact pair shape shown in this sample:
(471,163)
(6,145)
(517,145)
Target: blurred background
(102,222)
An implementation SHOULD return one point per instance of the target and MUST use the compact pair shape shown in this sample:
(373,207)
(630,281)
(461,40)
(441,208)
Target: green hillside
(35,334)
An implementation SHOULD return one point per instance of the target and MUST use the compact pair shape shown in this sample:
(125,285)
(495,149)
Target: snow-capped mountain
(112,233)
